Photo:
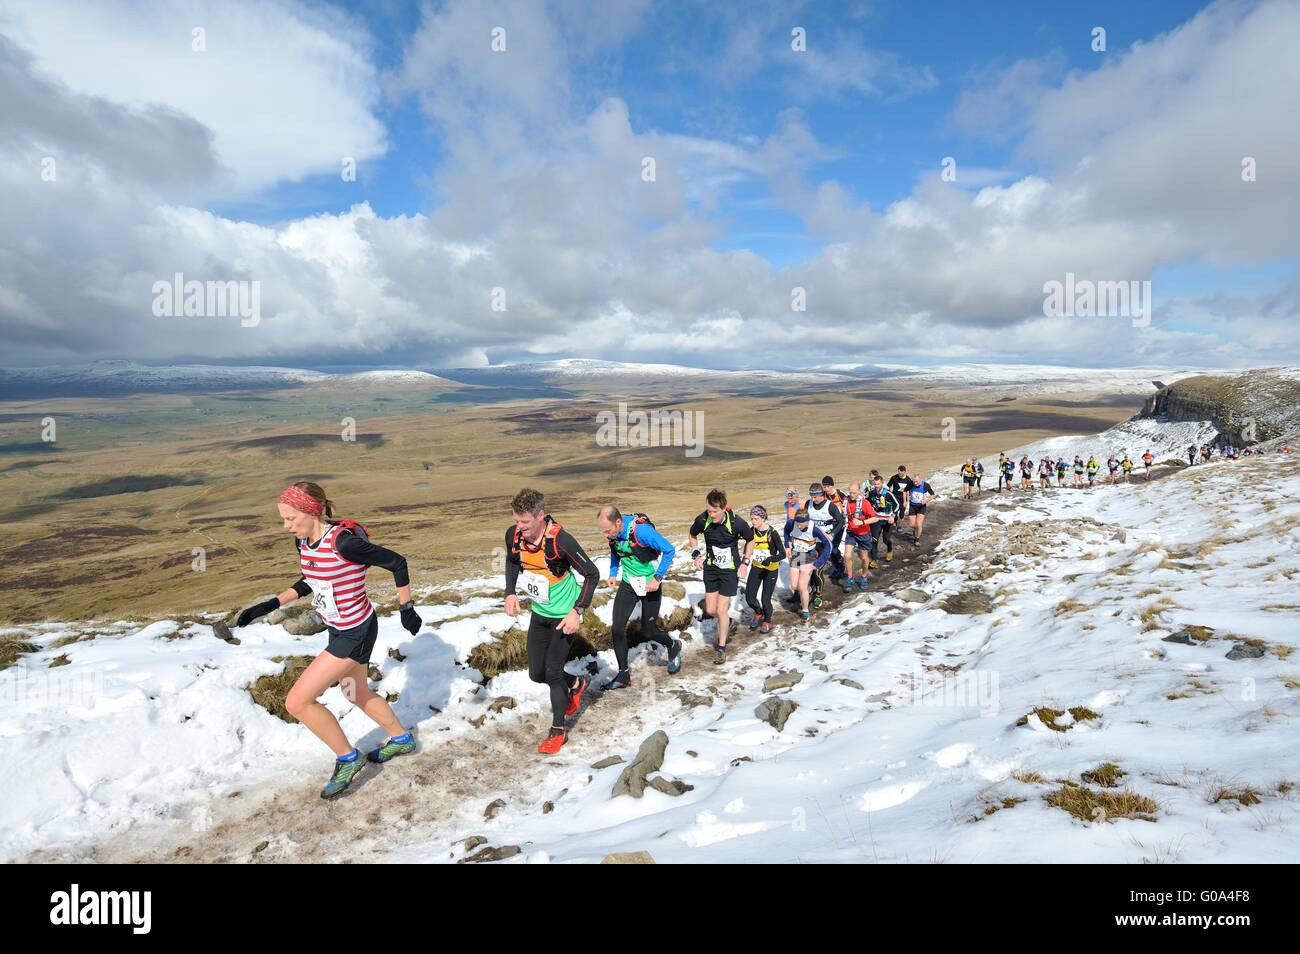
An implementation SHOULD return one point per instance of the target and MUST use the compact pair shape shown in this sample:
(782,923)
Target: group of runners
(546,566)
(1077,473)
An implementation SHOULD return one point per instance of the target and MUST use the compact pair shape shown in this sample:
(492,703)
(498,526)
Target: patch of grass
(1107,775)
(1009,802)
(269,692)
(1091,805)
(1029,778)
(58,661)
(1046,716)
(1083,714)
(505,652)
(11,647)
(1291,682)
(1071,606)
(1244,796)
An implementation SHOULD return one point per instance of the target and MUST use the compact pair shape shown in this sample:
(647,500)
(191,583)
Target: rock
(607,762)
(1119,534)
(672,787)
(628,858)
(863,629)
(222,631)
(491,854)
(1184,637)
(501,704)
(649,758)
(818,656)
(395,653)
(494,808)
(847,682)
(912,595)
(690,700)
(477,721)
(1244,650)
(305,624)
(260,847)
(693,754)
(782,680)
(473,841)
(743,758)
(775,711)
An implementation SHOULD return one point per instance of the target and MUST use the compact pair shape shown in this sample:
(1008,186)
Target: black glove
(258,611)
(411,620)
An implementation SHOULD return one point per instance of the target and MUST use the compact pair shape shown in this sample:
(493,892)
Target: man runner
(720,561)
(541,559)
(641,554)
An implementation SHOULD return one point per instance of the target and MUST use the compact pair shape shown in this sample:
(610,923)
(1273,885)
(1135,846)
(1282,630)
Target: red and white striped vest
(338,585)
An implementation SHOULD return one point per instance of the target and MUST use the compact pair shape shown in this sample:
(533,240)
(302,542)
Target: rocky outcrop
(1254,407)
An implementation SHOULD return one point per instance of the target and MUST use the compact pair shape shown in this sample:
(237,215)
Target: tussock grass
(269,692)
(1091,805)
(1029,778)
(1244,796)
(1048,717)
(11,647)
(1107,775)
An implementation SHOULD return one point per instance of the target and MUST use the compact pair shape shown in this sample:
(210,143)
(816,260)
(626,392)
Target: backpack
(639,550)
(556,563)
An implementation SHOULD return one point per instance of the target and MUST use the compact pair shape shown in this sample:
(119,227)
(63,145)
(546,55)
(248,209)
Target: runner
(1002,469)
(764,554)
(1112,462)
(860,517)
(921,494)
(979,476)
(792,501)
(901,486)
(721,530)
(643,556)
(1147,460)
(1008,473)
(1127,466)
(1026,473)
(885,504)
(830,519)
(968,477)
(1205,453)
(1044,473)
(837,498)
(542,558)
(1093,467)
(1191,456)
(1078,470)
(334,556)
(809,549)
(1061,468)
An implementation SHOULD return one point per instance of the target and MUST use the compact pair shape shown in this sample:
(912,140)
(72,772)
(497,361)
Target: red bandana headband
(301,500)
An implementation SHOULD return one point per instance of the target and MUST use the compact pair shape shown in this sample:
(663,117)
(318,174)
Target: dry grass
(1107,775)
(1029,778)
(269,692)
(11,647)
(1091,805)
(1244,796)
(1048,716)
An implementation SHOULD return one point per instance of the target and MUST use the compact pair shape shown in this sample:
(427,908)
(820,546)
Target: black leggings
(625,601)
(767,580)
(548,651)
(885,529)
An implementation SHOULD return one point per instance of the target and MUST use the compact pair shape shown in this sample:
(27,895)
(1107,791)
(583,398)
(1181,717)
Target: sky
(721,185)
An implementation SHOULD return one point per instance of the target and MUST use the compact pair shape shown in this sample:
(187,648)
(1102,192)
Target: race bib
(762,555)
(637,583)
(322,600)
(535,586)
(918,496)
(803,546)
(722,558)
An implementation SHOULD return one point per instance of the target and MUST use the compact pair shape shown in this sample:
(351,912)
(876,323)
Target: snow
(140,726)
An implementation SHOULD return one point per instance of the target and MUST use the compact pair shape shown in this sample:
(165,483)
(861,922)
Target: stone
(648,760)
(775,712)
(782,680)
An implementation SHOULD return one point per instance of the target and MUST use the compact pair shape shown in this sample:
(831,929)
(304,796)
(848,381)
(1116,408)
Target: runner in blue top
(809,549)
(641,554)
(920,494)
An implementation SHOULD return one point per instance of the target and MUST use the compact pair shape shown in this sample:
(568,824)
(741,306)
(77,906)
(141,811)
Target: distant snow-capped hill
(580,370)
(113,378)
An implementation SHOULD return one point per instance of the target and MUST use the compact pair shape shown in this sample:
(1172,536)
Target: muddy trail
(441,792)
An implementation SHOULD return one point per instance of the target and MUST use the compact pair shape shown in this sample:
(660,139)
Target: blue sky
(778,169)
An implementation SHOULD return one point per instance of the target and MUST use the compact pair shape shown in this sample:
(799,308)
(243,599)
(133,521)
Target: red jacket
(857,513)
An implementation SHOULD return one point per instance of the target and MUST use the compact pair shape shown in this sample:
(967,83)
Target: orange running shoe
(554,741)
(580,685)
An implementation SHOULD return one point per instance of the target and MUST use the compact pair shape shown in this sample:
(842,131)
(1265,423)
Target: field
(105,520)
